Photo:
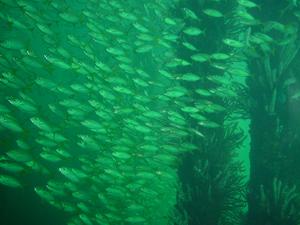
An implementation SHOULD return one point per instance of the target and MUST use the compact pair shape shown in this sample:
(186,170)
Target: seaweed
(278,204)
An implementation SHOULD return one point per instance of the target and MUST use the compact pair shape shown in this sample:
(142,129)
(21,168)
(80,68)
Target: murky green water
(124,112)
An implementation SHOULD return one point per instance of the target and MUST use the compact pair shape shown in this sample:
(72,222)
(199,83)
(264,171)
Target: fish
(10,181)
(190,77)
(190,14)
(140,27)
(44,194)
(233,43)
(144,49)
(128,16)
(189,109)
(192,31)
(296,96)
(135,219)
(11,167)
(19,155)
(200,57)
(9,122)
(60,63)
(12,44)
(50,156)
(212,13)
(69,17)
(68,173)
(189,46)
(247,3)
(23,105)
(45,29)
(121,155)
(170,21)
(45,83)
(176,92)
(203,92)
(209,124)
(105,104)
(238,72)
(220,56)
(40,123)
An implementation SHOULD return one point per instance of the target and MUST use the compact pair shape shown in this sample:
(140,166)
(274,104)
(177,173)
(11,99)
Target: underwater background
(153,112)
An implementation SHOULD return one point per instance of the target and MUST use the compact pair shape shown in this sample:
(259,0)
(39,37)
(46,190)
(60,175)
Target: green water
(158,112)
